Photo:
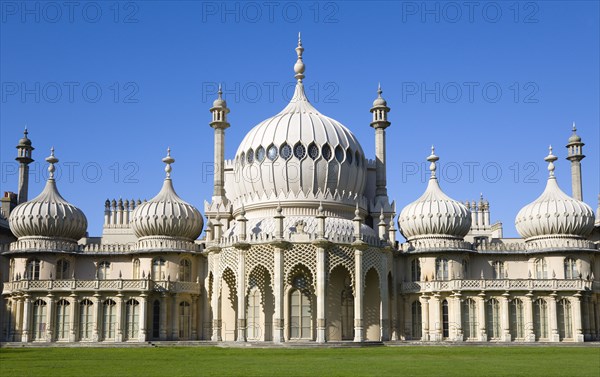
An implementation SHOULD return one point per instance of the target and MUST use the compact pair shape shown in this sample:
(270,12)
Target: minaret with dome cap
(24,149)
(380,122)
(219,124)
(575,155)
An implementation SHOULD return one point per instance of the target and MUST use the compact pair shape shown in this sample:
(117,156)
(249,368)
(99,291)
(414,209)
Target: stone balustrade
(73,285)
(499,285)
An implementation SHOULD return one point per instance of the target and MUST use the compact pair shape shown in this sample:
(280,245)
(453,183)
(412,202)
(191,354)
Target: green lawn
(372,361)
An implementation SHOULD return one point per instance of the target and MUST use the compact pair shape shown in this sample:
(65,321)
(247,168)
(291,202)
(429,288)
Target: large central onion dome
(554,213)
(298,151)
(434,215)
(167,215)
(49,214)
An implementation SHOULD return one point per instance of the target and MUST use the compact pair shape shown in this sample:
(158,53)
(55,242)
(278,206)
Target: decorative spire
(220,92)
(433,159)
(51,160)
(550,160)
(574,128)
(168,160)
(299,66)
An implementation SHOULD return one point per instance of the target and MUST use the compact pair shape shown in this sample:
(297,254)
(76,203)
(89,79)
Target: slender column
(457,318)
(576,179)
(163,317)
(120,316)
(321,295)
(142,333)
(585,310)
(425,318)
(385,310)
(195,310)
(435,328)
(73,317)
(529,335)
(481,318)
(278,272)
(358,296)
(50,322)
(241,299)
(395,313)
(96,317)
(407,318)
(216,309)
(578,331)
(505,322)
(554,336)
(18,310)
(174,318)
(26,318)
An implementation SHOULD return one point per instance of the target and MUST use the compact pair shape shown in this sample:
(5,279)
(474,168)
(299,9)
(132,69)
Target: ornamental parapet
(262,238)
(73,285)
(428,245)
(499,285)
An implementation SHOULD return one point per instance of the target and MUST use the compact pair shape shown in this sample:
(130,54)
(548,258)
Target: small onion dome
(574,137)
(554,213)
(49,214)
(24,141)
(167,215)
(220,102)
(379,101)
(434,214)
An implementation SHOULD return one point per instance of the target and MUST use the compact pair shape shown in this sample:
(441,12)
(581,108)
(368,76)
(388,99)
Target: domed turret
(434,215)
(554,213)
(298,151)
(167,215)
(48,215)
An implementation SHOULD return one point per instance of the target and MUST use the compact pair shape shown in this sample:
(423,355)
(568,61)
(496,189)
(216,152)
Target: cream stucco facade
(299,243)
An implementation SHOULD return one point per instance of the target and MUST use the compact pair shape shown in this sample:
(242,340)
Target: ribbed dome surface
(48,215)
(555,213)
(434,215)
(300,149)
(167,215)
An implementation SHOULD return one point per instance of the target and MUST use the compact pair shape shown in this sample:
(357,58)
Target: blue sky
(112,84)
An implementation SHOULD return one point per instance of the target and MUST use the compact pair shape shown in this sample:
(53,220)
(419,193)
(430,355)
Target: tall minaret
(219,124)
(24,150)
(575,155)
(380,123)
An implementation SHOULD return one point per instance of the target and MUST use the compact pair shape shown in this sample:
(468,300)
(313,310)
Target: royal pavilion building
(306,250)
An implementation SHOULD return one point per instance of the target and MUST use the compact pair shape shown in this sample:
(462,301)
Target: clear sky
(112,84)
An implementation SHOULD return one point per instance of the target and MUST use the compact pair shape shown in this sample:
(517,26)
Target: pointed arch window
(415,269)
(285,151)
(32,272)
(136,268)
(109,319)
(571,268)
(441,269)
(416,320)
(62,319)
(132,316)
(39,320)
(540,319)
(498,270)
(63,268)
(313,151)
(185,320)
(86,319)
(254,306)
(158,269)
(300,310)
(299,151)
(541,268)
(260,154)
(185,270)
